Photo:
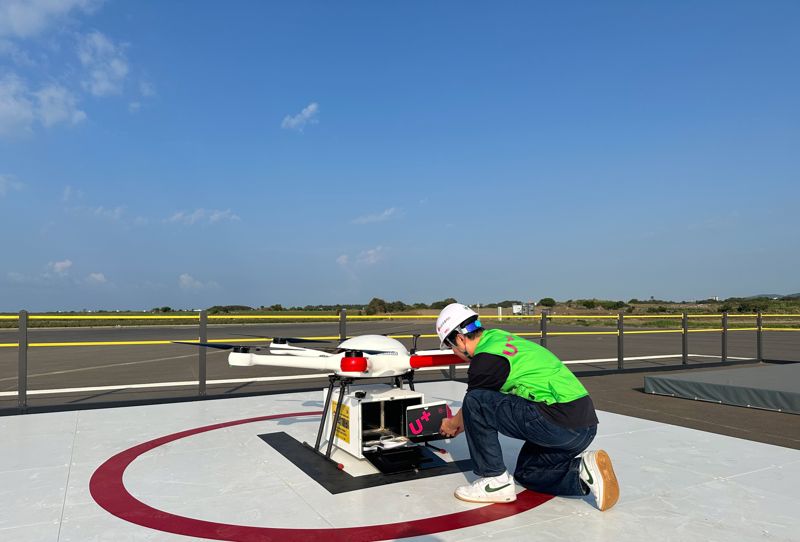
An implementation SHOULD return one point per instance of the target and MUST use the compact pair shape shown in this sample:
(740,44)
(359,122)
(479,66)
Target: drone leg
(410,380)
(398,382)
(342,386)
(332,379)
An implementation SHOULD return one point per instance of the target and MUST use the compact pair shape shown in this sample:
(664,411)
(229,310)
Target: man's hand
(452,427)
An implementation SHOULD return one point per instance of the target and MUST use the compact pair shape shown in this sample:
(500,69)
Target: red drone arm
(418,362)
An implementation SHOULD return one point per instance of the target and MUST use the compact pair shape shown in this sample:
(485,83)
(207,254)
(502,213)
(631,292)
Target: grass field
(115,319)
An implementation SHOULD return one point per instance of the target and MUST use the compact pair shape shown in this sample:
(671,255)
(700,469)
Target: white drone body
(364,356)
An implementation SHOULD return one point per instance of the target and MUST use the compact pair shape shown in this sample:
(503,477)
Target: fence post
(620,344)
(499,314)
(759,344)
(724,356)
(543,340)
(22,369)
(685,338)
(201,354)
(342,324)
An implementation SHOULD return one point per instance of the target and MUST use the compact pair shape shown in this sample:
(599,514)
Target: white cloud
(188,282)
(147,89)
(57,104)
(60,268)
(387,214)
(371,256)
(17,55)
(7,184)
(26,18)
(57,273)
(96,278)
(37,99)
(20,108)
(110,214)
(17,277)
(68,194)
(218,216)
(306,116)
(113,214)
(211,216)
(17,112)
(105,63)
(363,259)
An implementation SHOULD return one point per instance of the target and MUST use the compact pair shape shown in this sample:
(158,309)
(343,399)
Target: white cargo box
(368,413)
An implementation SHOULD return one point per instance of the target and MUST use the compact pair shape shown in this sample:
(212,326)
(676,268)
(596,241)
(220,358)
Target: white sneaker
(495,489)
(597,473)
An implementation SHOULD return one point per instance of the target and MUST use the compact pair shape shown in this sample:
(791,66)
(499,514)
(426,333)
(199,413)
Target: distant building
(525,309)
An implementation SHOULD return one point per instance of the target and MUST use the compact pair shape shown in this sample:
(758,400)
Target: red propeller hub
(354,364)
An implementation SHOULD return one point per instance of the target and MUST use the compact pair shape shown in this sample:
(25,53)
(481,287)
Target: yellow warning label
(343,427)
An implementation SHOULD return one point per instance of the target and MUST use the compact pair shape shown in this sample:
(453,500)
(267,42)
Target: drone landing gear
(343,383)
(409,378)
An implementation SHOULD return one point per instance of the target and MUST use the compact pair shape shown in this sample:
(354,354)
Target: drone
(364,356)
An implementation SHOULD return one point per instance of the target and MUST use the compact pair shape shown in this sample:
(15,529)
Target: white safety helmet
(451,319)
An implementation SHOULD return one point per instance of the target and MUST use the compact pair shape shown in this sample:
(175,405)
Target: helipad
(177,471)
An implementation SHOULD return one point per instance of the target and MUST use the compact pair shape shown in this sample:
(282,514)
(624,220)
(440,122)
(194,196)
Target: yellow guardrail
(273,317)
(580,316)
(720,316)
(378,317)
(653,331)
(121,317)
(238,340)
(554,333)
(613,316)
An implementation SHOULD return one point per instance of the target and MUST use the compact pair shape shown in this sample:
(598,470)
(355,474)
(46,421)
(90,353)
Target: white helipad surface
(676,483)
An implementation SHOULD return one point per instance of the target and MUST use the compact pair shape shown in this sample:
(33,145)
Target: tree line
(380,306)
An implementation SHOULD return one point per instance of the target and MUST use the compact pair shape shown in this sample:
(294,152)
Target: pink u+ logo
(416,425)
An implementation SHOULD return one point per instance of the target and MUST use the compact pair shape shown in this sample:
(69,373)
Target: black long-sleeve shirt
(490,372)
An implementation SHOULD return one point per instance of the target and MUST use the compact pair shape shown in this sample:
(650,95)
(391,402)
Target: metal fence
(202,318)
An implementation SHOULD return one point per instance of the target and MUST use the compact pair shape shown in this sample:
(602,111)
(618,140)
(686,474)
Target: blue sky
(199,153)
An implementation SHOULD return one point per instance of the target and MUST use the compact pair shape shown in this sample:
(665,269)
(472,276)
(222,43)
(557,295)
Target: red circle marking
(108,490)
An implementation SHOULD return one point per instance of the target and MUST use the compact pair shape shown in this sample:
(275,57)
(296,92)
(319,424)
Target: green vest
(536,373)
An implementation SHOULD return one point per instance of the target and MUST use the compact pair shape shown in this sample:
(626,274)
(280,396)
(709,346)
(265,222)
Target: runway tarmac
(106,365)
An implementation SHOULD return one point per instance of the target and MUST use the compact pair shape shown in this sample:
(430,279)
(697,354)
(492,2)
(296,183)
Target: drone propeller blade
(294,340)
(281,340)
(221,346)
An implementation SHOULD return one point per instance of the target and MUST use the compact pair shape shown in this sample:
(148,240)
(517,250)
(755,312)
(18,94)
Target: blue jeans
(547,461)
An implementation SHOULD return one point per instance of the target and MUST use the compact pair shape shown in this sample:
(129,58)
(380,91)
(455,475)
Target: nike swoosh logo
(588,472)
(490,489)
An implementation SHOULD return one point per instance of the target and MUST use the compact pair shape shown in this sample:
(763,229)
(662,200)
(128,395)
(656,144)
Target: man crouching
(522,390)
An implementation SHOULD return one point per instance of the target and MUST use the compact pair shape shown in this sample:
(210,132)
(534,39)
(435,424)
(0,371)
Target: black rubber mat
(327,474)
